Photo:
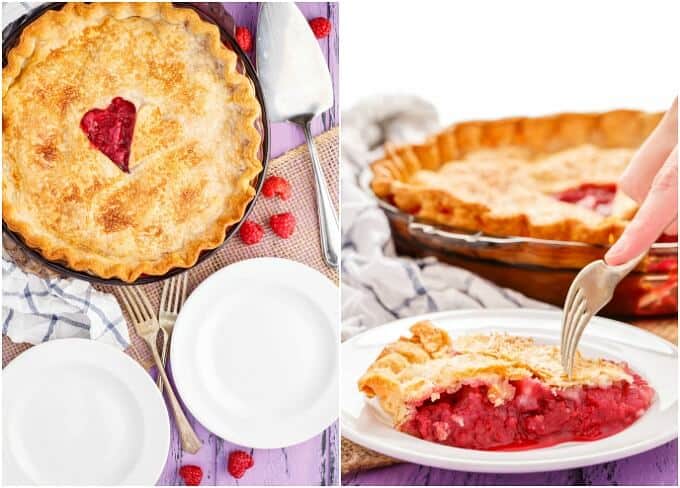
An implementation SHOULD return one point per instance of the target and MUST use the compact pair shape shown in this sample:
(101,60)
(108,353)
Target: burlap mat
(355,458)
(302,246)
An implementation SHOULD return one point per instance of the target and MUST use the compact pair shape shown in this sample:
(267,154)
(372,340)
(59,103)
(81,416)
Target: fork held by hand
(146,325)
(591,290)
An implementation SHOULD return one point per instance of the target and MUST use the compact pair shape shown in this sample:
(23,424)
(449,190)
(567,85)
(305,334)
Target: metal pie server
(297,87)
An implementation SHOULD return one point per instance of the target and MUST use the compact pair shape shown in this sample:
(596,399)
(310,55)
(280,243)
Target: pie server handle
(328,222)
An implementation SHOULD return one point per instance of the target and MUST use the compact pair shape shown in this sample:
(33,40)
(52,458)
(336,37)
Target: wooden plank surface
(316,461)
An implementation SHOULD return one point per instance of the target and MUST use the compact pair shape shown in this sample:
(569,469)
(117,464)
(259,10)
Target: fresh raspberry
(251,232)
(275,185)
(244,38)
(321,27)
(192,475)
(239,463)
(283,224)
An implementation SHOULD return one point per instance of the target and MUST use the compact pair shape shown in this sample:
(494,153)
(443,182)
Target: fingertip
(614,256)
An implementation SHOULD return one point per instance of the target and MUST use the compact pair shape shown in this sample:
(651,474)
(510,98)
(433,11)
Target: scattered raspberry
(251,232)
(275,185)
(192,475)
(244,38)
(321,27)
(239,463)
(283,224)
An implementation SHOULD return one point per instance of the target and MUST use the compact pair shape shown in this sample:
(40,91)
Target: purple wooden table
(316,461)
(656,467)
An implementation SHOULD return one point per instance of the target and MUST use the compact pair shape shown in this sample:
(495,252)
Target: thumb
(657,212)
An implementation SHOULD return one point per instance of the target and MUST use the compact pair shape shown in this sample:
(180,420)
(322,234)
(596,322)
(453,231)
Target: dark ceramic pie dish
(213,13)
(539,268)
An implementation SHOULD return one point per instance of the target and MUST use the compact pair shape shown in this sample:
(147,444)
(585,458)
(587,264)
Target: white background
(495,58)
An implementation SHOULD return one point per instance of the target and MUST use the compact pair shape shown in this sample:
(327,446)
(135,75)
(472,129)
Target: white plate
(254,353)
(654,358)
(78,412)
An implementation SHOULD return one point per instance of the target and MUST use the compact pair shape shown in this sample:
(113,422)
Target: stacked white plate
(79,412)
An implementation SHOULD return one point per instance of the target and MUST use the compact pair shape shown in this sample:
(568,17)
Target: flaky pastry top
(501,177)
(418,368)
(194,150)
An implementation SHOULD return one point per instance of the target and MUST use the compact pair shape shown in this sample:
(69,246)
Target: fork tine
(164,296)
(181,283)
(568,304)
(137,303)
(580,327)
(577,299)
(577,310)
(571,294)
(133,305)
(126,302)
(575,313)
(145,304)
(185,280)
(168,289)
(178,294)
(137,299)
(172,302)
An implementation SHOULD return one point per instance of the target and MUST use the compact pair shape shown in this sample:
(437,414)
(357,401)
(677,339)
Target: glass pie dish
(250,184)
(540,268)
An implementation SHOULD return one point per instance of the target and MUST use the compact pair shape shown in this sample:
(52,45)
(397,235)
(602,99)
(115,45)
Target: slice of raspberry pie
(500,391)
(549,177)
(129,138)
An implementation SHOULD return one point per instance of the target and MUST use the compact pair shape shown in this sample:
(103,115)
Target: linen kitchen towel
(36,310)
(378,286)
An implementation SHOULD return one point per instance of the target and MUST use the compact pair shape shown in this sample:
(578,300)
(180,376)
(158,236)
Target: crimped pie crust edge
(41,30)
(391,174)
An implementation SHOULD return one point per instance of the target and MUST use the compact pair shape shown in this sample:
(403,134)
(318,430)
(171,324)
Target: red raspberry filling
(110,130)
(594,196)
(535,417)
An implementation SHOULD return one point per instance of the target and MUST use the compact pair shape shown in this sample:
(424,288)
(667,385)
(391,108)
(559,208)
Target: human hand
(651,179)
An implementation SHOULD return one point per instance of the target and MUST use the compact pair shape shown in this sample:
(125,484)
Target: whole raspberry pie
(500,391)
(551,177)
(129,139)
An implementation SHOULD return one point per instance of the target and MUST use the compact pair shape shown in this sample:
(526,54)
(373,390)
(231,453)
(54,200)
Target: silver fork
(591,290)
(172,298)
(146,325)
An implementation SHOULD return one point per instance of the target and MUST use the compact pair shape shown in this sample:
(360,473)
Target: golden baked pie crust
(414,369)
(194,150)
(478,176)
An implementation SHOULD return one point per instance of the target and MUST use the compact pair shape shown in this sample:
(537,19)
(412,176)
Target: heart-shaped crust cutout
(110,130)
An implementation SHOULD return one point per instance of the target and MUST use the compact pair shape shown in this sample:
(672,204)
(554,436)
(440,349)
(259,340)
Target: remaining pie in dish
(552,177)
(500,391)
(129,139)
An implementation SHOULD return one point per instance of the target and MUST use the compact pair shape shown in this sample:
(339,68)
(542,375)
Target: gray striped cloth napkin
(36,310)
(377,285)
